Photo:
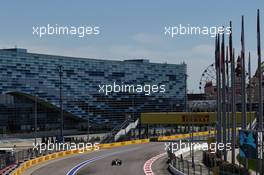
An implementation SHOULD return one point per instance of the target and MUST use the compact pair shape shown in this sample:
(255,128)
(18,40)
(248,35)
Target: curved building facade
(81,79)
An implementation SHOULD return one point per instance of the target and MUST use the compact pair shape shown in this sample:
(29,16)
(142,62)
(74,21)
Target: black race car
(116,162)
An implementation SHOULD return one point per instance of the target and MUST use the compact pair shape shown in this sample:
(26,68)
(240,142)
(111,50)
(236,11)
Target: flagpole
(233,105)
(260,117)
(259,75)
(228,96)
(218,82)
(249,91)
(217,97)
(233,95)
(243,79)
(223,93)
(243,104)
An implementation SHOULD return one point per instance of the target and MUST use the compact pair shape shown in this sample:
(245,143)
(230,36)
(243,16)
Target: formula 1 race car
(117,162)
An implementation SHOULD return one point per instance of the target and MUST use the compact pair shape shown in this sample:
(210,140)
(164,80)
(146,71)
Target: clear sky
(130,29)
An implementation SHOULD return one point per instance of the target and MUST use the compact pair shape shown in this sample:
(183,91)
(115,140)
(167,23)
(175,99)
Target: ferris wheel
(208,77)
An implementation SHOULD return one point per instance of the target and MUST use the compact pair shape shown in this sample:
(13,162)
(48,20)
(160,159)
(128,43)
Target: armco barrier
(175,171)
(182,136)
(26,165)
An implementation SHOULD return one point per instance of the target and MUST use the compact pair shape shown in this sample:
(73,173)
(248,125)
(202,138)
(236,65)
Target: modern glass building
(27,77)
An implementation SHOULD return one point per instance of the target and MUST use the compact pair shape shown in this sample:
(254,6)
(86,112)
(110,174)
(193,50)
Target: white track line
(76,168)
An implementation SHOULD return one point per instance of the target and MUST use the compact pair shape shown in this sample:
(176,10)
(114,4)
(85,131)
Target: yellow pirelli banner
(184,118)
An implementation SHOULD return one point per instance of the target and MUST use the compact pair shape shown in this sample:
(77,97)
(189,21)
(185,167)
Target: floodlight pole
(60,67)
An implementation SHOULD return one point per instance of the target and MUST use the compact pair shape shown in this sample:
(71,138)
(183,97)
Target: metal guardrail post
(179,165)
(182,166)
(188,168)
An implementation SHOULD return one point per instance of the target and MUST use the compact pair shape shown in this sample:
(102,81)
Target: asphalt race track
(99,162)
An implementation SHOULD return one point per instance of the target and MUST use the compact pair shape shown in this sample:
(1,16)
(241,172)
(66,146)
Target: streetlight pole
(192,138)
(133,115)
(88,123)
(35,123)
(192,142)
(191,125)
(60,67)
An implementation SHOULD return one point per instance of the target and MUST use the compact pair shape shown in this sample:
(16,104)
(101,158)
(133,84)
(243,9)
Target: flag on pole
(258,35)
(242,39)
(227,61)
(216,52)
(230,42)
(238,68)
(223,53)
